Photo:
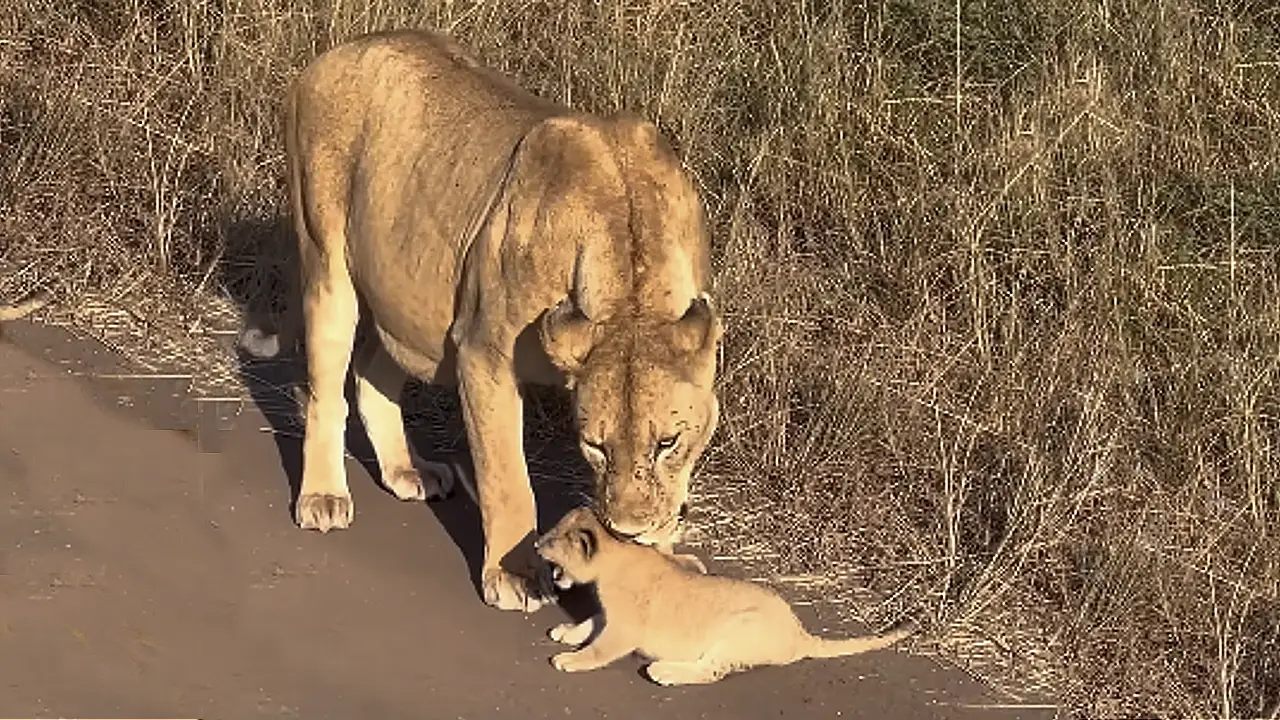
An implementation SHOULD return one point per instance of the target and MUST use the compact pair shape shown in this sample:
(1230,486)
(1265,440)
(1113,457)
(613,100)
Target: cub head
(570,548)
(645,409)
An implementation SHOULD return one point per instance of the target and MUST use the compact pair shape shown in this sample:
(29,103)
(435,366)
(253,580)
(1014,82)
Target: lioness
(491,238)
(696,628)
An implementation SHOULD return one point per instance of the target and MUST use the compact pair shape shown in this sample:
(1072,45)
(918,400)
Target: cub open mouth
(558,576)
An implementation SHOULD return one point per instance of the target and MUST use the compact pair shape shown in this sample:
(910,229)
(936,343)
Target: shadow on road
(258,272)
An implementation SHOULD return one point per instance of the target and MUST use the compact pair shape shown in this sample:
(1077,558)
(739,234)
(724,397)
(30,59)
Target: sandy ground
(149,568)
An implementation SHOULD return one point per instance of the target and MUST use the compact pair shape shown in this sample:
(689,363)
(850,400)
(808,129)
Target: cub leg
(493,413)
(574,633)
(606,648)
(722,657)
(683,673)
(379,383)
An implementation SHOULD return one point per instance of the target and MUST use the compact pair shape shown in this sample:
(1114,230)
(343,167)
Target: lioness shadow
(256,273)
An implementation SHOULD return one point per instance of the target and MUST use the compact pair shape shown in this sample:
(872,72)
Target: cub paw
(567,662)
(559,632)
(571,633)
(674,673)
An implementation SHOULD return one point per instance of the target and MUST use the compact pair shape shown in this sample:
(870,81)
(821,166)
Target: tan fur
(19,310)
(491,238)
(696,628)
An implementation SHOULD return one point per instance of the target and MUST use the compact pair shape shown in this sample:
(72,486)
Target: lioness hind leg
(379,382)
(324,501)
(683,673)
(330,311)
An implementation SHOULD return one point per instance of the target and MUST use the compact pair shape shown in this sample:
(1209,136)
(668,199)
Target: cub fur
(19,310)
(489,238)
(695,628)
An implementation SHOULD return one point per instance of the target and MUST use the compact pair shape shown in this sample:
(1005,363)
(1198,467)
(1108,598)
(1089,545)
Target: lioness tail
(263,343)
(259,343)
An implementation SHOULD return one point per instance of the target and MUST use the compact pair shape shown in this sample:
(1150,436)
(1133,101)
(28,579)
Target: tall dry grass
(1001,279)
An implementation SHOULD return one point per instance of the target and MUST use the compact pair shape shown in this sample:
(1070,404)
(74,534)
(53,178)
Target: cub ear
(699,329)
(567,336)
(587,542)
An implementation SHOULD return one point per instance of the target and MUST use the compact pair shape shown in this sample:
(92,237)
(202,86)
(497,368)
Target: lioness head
(571,547)
(637,335)
(645,408)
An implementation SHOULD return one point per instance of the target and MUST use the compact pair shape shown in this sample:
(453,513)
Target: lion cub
(695,628)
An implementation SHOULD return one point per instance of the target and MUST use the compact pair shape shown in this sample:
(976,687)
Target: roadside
(149,567)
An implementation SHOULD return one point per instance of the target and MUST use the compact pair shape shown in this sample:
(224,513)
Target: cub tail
(830,648)
(22,309)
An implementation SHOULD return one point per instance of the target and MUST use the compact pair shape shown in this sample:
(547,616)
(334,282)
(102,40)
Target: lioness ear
(587,541)
(699,329)
(567,336)
(641,134)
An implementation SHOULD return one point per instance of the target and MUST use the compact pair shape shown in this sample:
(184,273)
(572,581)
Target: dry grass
(1003,289)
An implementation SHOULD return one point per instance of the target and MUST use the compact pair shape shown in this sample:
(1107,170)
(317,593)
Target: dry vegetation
(1003,289)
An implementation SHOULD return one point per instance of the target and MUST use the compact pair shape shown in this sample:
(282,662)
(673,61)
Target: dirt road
(149,568)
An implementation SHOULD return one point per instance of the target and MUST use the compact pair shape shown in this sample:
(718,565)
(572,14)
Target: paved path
(149,568)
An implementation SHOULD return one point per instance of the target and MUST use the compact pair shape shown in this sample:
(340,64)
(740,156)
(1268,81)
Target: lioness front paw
(324,512)
(508,591)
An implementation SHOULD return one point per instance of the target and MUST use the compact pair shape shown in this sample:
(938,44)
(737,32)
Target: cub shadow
(259,272)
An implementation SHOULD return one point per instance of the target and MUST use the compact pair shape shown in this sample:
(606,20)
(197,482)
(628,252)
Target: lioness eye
(667,443)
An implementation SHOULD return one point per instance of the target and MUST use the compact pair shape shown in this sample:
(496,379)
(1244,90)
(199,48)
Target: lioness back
(395,116)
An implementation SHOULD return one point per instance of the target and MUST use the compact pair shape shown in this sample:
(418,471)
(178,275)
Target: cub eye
(667,443)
